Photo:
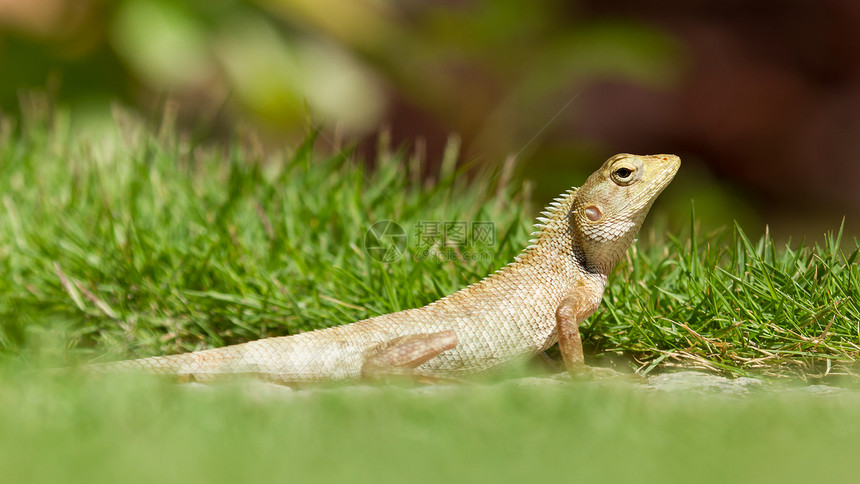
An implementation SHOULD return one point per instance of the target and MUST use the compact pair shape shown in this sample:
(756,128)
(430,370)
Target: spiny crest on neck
(551,222)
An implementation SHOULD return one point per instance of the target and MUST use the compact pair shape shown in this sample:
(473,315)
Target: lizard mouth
(668,172)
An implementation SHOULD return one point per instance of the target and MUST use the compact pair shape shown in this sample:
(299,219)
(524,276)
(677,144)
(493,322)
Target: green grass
(140,244)
(136,244)
(727,304)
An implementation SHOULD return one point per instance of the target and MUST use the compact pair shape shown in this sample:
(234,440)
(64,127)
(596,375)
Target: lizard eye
(623,176)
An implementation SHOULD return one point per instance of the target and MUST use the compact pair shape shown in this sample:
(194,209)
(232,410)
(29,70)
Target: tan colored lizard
(518,311)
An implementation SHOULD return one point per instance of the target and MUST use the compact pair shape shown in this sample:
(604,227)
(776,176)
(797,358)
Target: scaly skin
(518,311)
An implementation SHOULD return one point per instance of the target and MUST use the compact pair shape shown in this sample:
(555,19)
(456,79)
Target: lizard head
(611,205)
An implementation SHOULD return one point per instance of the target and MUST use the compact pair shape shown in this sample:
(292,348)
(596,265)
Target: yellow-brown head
(611,205)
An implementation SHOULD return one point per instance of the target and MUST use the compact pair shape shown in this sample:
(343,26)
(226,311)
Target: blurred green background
(759,98)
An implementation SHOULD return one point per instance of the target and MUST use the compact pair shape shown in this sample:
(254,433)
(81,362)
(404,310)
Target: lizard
(522,309)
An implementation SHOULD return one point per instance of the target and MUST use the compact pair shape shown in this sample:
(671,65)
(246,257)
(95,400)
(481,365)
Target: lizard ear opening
(593,213)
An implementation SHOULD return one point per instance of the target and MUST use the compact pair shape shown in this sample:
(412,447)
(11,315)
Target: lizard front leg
(568,316)
(401,356)
(573,310)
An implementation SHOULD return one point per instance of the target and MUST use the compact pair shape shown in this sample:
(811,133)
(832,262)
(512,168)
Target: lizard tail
(199,365)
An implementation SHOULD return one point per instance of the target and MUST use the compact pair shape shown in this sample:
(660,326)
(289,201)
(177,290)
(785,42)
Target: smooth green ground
(143,430)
